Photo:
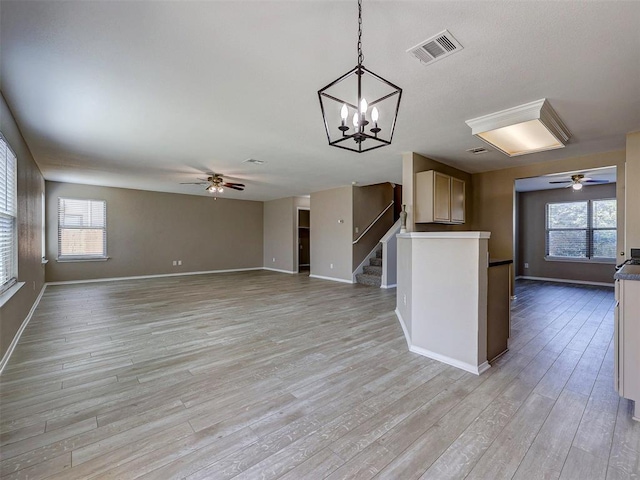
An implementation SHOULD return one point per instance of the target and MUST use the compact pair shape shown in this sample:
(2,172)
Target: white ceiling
(150,94)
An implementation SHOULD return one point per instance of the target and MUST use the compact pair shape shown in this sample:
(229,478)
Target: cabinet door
(423,206)
(457,200)
(442,198)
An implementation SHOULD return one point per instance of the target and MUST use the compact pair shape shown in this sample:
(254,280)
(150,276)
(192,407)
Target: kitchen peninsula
(442,296)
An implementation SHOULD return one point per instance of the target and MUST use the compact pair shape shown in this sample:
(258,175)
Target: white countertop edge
(447,235)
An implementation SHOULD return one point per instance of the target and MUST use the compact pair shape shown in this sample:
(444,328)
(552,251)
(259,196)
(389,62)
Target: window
(82,229)
(582,230)
(8,215)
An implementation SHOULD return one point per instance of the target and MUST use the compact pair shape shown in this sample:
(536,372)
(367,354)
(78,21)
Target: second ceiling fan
(577,180)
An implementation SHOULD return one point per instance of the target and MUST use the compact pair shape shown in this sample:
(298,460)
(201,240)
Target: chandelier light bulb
(363,106)
(220,189)
(374,114)
(344,112)
(577,186)
(355,120)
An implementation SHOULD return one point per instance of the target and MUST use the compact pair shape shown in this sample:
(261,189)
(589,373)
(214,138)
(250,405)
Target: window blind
(604,236)
(82,229)
(8,214)
(583,229)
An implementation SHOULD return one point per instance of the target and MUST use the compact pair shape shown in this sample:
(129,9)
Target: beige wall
(280,233)
(331,237)
(493,196)
(146,231)
(632,239)
(413,163)
(531,220)
(368,202)
(279,225)
(30,268)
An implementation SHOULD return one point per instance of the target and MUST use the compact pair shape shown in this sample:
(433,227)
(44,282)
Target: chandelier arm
(381,99)
(336,99)
(353,71)
(384,80)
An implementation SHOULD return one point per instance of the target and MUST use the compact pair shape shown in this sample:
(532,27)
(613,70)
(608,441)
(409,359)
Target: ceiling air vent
(435,48)
(254,161)
(478,150)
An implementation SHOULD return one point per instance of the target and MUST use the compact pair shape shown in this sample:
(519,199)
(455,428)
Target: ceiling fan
(578,180)
(215,183)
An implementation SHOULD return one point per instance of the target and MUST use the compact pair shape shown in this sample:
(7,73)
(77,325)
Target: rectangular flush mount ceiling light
(529,128)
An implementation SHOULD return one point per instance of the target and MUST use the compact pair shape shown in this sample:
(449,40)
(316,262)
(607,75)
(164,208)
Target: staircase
(372,273)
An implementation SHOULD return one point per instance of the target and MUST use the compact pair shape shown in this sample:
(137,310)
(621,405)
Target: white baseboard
(333,279)
(562,280)
(162,275)
(389,286)
(279,270)
(404,329)
(14,342)
(468,367)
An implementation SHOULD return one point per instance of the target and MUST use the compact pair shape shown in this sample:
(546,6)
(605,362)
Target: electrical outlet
(404,299)
(331,265)
(357,230)
(179,262)
(526,265)
(274,259)
(175,262)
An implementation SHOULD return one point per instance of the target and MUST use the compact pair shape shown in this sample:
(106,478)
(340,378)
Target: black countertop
(496,262)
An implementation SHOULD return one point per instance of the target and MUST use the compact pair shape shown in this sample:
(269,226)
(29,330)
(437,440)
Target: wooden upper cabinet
(457,200)
(439,198)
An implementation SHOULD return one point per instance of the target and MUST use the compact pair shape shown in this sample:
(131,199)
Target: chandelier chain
(360,55)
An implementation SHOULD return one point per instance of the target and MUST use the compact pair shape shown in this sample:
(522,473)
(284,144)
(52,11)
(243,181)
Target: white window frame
(82,258)
(589,231)
(9,210)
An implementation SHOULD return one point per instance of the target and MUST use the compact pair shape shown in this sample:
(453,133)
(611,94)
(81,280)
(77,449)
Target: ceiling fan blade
(233,187)
(234,184)
(194,183)
(563,181)
(595,181)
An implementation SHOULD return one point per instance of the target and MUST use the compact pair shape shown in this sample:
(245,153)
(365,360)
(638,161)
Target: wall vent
(254,161)
(478,150)
(436,48)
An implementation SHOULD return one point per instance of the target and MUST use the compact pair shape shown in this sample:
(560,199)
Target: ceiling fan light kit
(350,119)
(215,184)
(529,128)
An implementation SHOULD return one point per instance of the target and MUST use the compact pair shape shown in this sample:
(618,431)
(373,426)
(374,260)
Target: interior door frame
(297,243)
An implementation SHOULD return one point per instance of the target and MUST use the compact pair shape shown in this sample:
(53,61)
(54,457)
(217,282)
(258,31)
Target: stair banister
(373,223)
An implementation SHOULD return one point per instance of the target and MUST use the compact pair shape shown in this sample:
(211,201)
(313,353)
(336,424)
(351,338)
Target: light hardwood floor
(266,375)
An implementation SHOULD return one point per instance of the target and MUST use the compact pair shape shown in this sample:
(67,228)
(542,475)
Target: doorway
(566,227)
(304,240)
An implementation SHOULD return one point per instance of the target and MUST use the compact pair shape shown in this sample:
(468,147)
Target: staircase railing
(373,223)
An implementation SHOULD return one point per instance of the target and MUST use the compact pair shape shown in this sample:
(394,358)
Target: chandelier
(352,122)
